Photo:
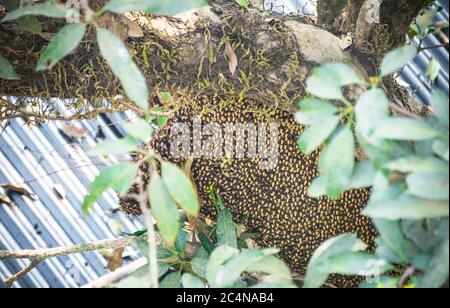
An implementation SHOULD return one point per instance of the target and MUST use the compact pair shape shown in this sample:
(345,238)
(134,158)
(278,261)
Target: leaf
(30,23)
(371,108)
(433,70)
(424,20)
(242,3)
(134,30)
(363,176)
(440,104)
(405,129)
(48,9)
(164,209)
(277,270)
(167,7)
(432,186)
(438,269)
(337,162)
(118,58)
(218,257)
(192,282)
(228,273)
(397,59)
(324,84)
(440,147)
(61,45)
(181,241)
(232,58)
(332,247)
(407,207)
(360,264)
(180,188)
(199,262)
(317,188)
(139,129)
(327,80)
(417,164)
(206,243)
(172,281)
(312,111)
(7,71)
(116,260)
(114,147)
(392,235)
(226,229)
(314,136)
(119,177)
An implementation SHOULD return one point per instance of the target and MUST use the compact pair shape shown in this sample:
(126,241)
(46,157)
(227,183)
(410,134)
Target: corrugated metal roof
(39,159)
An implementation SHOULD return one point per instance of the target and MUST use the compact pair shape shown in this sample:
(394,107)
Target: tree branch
(9,282)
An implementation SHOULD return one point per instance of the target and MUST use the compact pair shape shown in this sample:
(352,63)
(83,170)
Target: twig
(118,275)
(405,277)
(433,47)
(9,282)
(45,253)
(397,109)
(38,255)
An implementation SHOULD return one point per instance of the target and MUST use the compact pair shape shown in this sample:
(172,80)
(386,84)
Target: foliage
(407,168)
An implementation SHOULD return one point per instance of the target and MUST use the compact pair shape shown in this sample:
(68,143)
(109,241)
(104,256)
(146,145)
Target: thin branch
(118,275)
(433,47)
(9,282)
(45,253)
(401,111)
(410,271)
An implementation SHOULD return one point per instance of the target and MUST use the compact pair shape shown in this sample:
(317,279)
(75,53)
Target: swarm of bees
(273,201)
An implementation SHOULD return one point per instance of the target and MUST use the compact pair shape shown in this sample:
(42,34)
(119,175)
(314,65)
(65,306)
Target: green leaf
(397,59)
(417,164)
(180,188)
(7,71)
(425,20)
(228,273)
(64,42)
(314,136)
(312,111)
(433,69)
(48,9)
(337,162)
(318,187)
(440,104)
(218,257)
(31,24)
(440,147)
(324,83)
(405,129)
(139,129)
(164,209)
(192,282)
(114,147)
(199,262)
(363,176)
(392,235)
(438,269)
(332,247)
(167,7)
(371,108)
(360,264)
(140,278)
(242,3)
(407,207)
(171,281)
(327,80)
(119,177)
(277,270)
(433,186)
(226,229)
(118,58)
(207,244)
(181,241)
